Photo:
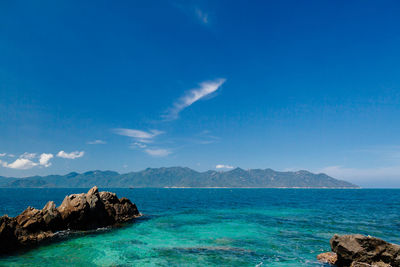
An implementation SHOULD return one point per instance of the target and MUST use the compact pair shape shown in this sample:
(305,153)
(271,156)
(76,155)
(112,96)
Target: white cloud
(72,155)
(142,139)
(203,16)
(138,144)
(25,161)
(3,154)
(21,164)
(207,138)
(97,142)
(157,152)
(27,155)
(206,88)
(44,159)
(141,136)
(222,166)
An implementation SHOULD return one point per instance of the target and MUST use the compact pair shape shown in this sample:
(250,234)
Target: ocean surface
(215,227)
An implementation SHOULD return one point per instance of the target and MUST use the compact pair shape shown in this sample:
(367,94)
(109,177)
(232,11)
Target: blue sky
(133,84)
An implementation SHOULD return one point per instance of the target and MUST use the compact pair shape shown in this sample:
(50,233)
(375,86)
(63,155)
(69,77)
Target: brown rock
(77,211)
(362,264)
(328,257)
(52,217)
(8,240)
(30,219)
(84,211)
(121,210)
(359,249)
(32,239)
(126,210)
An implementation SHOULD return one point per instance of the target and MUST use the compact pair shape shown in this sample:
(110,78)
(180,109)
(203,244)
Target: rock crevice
(77,212)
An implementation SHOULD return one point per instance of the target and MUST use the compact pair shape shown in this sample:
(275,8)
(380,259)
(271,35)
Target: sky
(126,85)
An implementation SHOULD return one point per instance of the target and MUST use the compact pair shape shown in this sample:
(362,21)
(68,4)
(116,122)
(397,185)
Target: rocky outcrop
(327,257)
(361,251)
(77,212)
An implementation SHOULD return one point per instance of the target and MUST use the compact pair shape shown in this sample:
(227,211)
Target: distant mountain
(182,177)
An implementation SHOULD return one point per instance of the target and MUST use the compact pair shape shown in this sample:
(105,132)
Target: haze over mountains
(182,177)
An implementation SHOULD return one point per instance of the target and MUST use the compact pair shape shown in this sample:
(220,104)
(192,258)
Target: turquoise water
(215,227)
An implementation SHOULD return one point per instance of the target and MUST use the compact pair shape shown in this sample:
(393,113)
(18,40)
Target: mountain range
(182,177)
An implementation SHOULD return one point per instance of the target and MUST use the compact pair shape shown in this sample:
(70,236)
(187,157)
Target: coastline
(213,225)
(184,187)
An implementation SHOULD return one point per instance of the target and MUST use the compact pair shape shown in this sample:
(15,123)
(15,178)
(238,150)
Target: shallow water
(216,227)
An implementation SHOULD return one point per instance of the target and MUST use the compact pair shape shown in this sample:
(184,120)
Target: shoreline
(184,187)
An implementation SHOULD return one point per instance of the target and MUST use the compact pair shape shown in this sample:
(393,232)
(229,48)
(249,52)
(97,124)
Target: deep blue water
(216,227)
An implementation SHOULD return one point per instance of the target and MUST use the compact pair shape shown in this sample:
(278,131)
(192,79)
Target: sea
(214,227)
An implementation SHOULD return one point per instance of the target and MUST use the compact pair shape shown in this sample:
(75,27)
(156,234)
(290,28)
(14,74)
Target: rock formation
(328,257)
(77,212)
(361,251)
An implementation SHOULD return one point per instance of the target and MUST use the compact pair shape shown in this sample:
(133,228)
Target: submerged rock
(77,212)
(360,251)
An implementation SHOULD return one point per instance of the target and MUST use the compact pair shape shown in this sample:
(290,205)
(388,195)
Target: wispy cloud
(223,166)
(191,96)
(193,11)
(96,142)
(139,135)
(201,15)
(27,155)
(3,154)
(207,138)
(158,152)
(138,144)
(143,139)
(71,155)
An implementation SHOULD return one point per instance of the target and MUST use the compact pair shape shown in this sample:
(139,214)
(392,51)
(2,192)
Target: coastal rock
(51,217)
(377,264)
(77,212)
(119,209)
(8,241)
(84,211)
(30,219)
(360,251)
(328,257)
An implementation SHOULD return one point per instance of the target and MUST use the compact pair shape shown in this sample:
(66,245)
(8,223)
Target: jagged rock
(84,211)
(30,219)
(377,264)
(328,257)
(8,241)
(124,210)
(78,212)
(119,209)
(29,239)
(360,264)
(360,251)
(52,217)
